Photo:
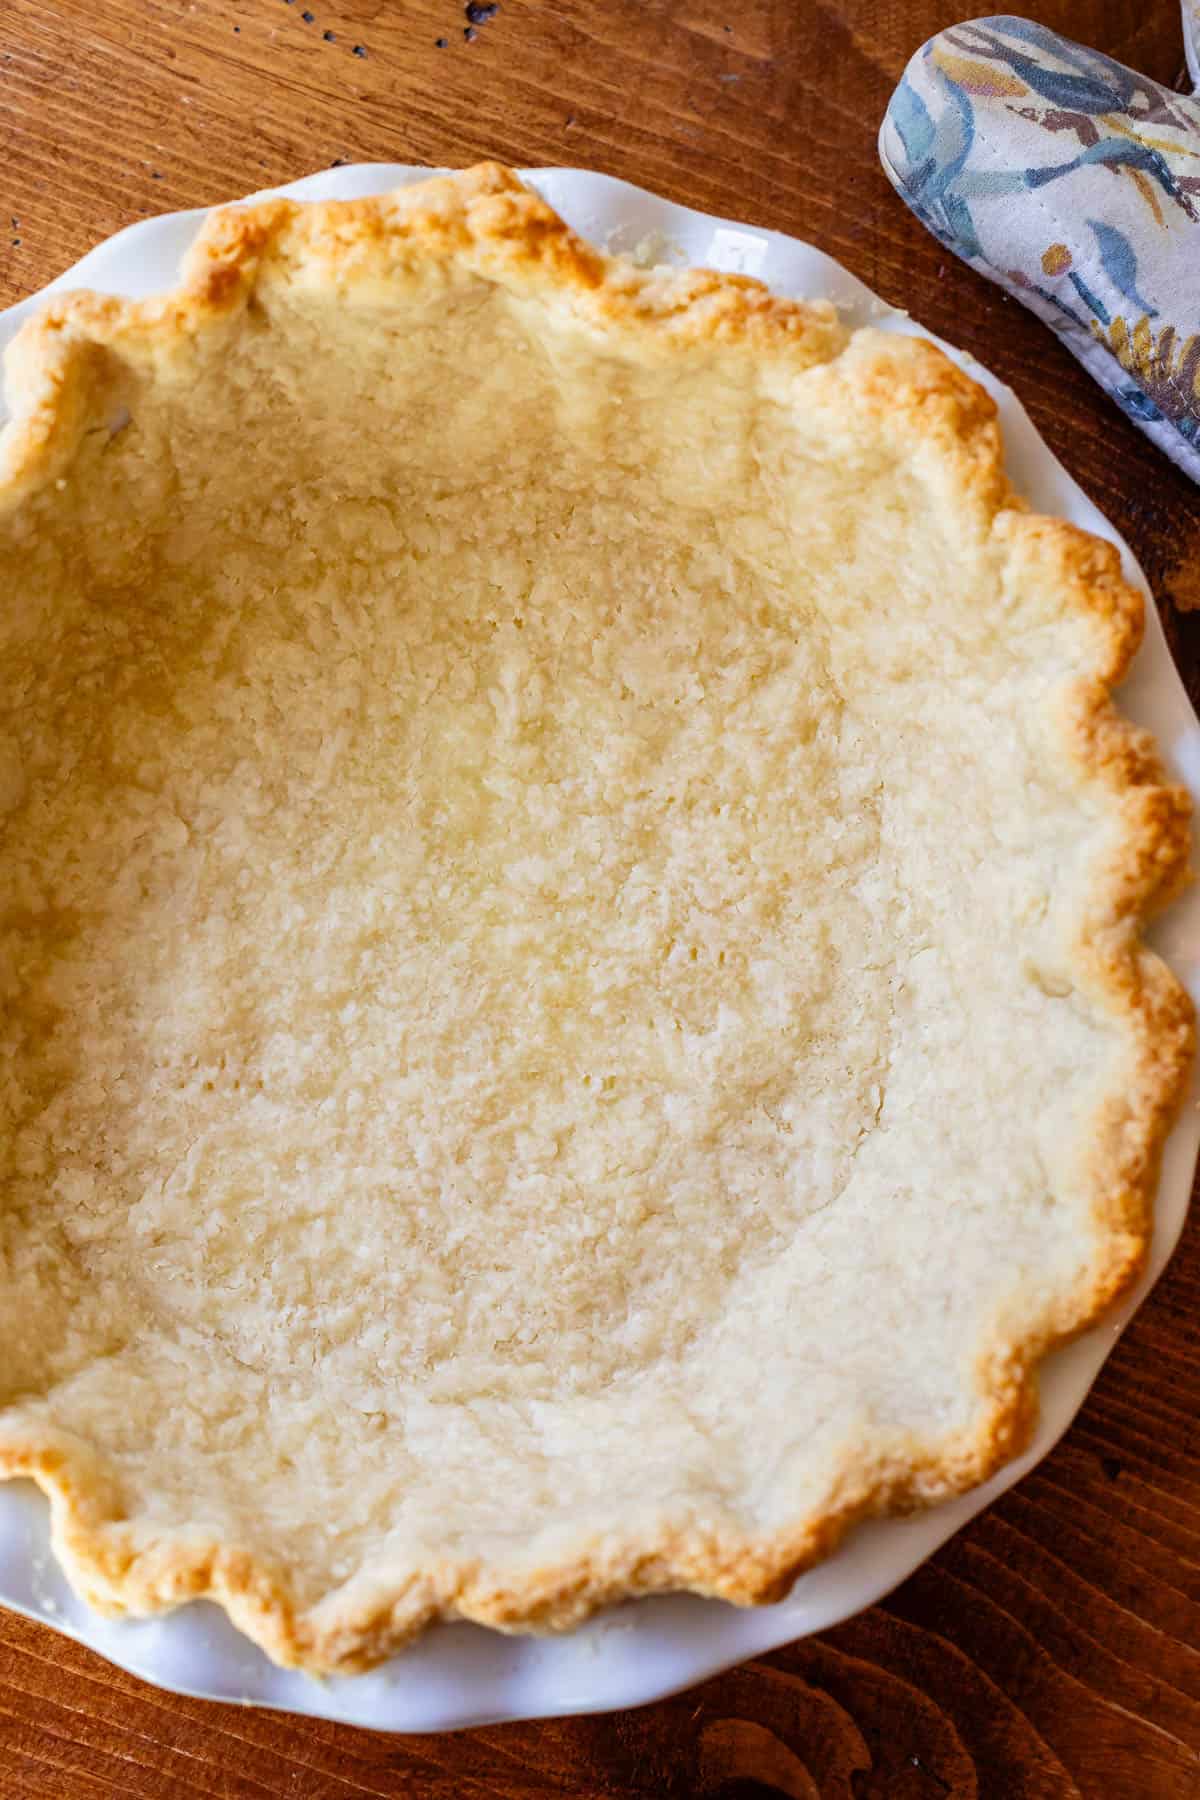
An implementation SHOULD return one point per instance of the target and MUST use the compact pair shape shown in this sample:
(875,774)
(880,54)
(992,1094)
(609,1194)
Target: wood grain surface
(1052,1650)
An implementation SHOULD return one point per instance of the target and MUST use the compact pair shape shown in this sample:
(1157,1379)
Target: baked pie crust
(574,1017)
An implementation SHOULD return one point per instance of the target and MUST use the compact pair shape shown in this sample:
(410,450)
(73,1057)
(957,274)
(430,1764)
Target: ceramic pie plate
(459,1675)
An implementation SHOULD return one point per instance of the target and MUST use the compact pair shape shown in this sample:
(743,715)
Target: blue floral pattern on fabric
(1074,182)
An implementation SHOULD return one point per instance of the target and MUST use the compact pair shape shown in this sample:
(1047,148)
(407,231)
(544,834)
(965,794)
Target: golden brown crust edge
(487,216)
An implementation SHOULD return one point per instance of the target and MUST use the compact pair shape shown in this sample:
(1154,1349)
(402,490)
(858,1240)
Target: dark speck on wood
(470,33)
(359,50)
(329,37)
(930,1775)
(478,13)
(308,17)
(442,43)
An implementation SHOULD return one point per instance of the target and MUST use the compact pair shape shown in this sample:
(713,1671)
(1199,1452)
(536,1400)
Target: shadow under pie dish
(574,1016)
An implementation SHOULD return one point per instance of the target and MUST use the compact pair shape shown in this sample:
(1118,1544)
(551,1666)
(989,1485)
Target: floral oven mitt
(1075,184)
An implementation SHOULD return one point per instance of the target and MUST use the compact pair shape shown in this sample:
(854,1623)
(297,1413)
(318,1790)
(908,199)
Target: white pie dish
(464,1676)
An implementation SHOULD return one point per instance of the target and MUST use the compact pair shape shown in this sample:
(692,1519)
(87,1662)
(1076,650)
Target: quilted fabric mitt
(1075,183)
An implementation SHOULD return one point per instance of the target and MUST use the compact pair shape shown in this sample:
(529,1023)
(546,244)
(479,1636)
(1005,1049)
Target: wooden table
(1053,1648)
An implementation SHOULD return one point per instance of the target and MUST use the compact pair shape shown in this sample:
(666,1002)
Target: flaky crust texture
(486,216)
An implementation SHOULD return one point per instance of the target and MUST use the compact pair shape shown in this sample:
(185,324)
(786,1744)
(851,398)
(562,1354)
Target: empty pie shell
(570,886)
